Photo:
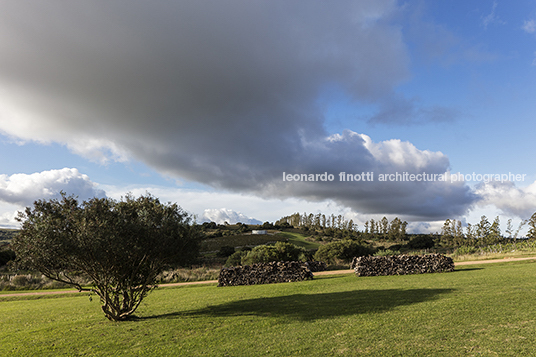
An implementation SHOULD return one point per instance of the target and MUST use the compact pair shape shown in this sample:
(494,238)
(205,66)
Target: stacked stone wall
(264,273)
(402,264)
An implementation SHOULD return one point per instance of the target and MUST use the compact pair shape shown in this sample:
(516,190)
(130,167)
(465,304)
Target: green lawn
(299,240)
(478,310)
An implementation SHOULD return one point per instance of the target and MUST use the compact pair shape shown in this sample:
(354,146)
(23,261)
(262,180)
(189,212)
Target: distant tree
(470,231)
(509,228)
(483,228)
(120,245)
(267,225)
(344,250)
(384,226)
(281,251)
(532,226)
(6,255)
(373,227)
(421,242)
(494,235)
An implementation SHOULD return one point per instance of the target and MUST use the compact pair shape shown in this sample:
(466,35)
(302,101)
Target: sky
(254,110)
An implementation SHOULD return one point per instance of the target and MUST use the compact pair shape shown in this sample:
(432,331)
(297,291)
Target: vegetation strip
(329,272)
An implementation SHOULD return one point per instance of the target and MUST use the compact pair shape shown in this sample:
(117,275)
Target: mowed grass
(299,240)
(478,310)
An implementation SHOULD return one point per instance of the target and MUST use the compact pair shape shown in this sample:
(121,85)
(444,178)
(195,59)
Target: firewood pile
(264,273)
(402,264)
(316,266)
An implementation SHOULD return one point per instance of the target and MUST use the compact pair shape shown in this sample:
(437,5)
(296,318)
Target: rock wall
(402,264)
(264,273)
(316,266)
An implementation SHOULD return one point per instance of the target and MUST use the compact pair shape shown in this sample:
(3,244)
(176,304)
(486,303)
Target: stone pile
(264,273)
(316,266)
(402,264)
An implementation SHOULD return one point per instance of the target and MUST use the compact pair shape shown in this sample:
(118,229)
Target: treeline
(317,221)
(383,229)
(484,232)
(339,227)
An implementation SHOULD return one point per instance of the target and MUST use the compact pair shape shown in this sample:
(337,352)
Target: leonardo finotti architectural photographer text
(402,177)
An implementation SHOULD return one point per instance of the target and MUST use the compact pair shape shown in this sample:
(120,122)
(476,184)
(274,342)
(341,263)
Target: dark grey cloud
(219,92)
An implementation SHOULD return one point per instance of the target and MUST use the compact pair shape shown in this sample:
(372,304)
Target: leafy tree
(384,226)
(120,245)
(281,251)
(235,259)
(373,227)
(421,242)
(532,226)
(6,255)
(344,250)
(483,228)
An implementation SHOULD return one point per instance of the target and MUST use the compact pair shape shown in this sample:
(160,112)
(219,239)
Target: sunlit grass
(478,310)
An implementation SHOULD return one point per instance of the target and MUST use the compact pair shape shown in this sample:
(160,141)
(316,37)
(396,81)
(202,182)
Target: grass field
(299,240)
(478,310)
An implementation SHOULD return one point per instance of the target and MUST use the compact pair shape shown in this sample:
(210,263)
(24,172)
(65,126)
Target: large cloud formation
(225,93)
(23,189)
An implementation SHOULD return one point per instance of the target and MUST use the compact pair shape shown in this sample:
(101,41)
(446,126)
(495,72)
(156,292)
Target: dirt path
(329,272)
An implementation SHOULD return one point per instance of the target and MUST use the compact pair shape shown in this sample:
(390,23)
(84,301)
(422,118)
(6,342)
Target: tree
(483,228)
(532,226)
(281,251)
(120,245)
(384,226)
(344,250)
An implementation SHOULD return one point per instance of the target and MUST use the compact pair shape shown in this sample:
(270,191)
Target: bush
(463,250)
(386,252)
(421,242)
(6,256)
(279,252)
(121,245)
(226,251)
(235,259)
(344,250)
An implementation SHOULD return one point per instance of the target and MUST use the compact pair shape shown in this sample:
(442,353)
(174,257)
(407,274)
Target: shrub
(226,251)
(344,250)
(121,245)
(386,252)
(6,256)
(421,242)
(235,259)
(279,252)
(463,250)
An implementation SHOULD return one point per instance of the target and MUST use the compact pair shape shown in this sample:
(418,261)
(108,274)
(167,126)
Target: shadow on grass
(308,307)
(460,269)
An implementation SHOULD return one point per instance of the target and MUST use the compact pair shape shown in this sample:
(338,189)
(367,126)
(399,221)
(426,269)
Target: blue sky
(207,103)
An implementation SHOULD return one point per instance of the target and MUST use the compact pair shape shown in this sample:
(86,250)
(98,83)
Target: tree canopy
(120,245)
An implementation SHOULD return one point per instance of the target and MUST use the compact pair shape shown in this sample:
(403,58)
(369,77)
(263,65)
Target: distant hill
(7,234)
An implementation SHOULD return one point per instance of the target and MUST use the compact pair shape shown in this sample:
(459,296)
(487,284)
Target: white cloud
(509,199)
(222,215)
(529,26)
(492,18)
(24,189)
